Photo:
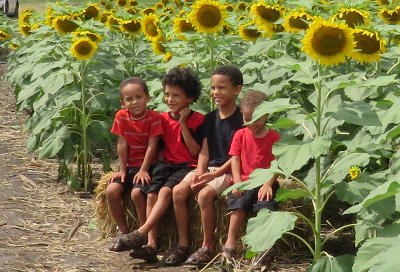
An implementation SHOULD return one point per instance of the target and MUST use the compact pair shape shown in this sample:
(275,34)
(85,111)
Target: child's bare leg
(208,221)
(113,195)
(152,236)
(139,201)
(235,224)
(159,209)
(180,195)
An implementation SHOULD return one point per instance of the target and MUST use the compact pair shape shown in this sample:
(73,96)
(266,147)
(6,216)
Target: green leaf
(267,227)
(282,124)
(292,154)
(358,113)
(380,81)
(268,107)
(383,191)
(342,165)
(284,194)
(329,263)
(54,143)
(378,255)
(257,178)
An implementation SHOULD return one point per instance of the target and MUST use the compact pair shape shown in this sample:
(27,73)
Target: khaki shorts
(219,184)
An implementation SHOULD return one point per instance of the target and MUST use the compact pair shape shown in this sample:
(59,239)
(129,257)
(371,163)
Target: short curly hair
(135,80)
(253,98)
(186,79)
(234,74)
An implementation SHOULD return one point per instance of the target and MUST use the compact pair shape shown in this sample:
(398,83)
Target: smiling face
(175,98)
(223,91)
(257,128)
(134,99)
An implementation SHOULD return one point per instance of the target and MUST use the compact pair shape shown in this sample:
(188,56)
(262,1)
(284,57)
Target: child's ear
(238,88)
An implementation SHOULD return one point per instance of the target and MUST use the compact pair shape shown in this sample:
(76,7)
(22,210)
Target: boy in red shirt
(138,130)
(180,151)
(251,148)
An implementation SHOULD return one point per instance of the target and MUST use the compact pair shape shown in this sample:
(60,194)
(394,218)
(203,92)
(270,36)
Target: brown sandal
(227,252)
(201,256)
(177,256)
(147,253)
(132,240)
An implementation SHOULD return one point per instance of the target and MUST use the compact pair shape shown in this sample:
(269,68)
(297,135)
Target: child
(138,130)
(180,151)
(212,175)
(251,148)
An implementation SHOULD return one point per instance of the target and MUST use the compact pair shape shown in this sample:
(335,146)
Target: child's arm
(265,192)
(190,142)
(207,177)
(236,170)
(202,164)
(122,150)
(143,175)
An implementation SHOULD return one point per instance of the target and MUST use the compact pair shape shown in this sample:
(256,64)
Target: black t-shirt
(219,133)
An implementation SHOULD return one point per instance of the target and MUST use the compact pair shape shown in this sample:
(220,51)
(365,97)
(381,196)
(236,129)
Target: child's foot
(228,252)
(177,256)
(201,256)
(147,253)
(114,241)
(132,240)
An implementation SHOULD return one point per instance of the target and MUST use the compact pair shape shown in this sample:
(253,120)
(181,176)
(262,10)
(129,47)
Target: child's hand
(265,193)
(184,114)
(201,181)
(142,177)
(237,193)
(118,175)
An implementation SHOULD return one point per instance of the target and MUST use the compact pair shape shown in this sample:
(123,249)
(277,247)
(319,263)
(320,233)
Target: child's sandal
(177,256)
(132,240)
(147,253)
(228,253)
(201,256)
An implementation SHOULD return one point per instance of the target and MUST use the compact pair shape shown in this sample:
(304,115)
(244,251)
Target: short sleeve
(197,127)
(156,128)
(236,144)
(275,137)
(117,125)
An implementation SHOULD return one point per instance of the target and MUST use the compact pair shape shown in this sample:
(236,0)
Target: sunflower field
(330,69)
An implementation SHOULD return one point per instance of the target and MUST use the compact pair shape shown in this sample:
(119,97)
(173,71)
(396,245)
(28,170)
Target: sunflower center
(91,12)
(353,18)
(67,26)
(84,48)
(366,44)
(133,26)
(209,16)
(253,33)
(268,13)
(392,16)
(299,22)
(328,41)
(185,26)
(151,29)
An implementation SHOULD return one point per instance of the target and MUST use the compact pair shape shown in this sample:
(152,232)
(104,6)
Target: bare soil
(46,227)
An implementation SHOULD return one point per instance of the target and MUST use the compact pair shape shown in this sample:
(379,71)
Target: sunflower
(297,21)
(150,28)
(104,16)
(4,35)
(327,42)
(133,3)
(26,29)
(49,16)
(390,16)
(148,11)
(249,32)
(241,6)
(24,17)
(158,48)
(207,16)
(83,49)
(266,15)
(227,29)
(88,34)
(167,57)
(354,172)
(132,10)
(113,22)
(92,12)
(383,2)
(352,17)
(182,25)
(159,6)
(13,46)
(229,8)
(368,46)
(132,26)
(122,3)
(64,24)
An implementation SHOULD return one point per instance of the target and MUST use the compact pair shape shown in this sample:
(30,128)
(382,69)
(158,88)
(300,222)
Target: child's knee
(152,197)
(113,191)
(206,197)
(136,194)
(180,193)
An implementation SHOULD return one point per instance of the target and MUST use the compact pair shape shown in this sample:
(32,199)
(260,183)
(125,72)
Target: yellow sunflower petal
(91,35)
(151,29)
(64,24)
(368,46)
(390,16)
(182,25)
(266,15)
(327,42)
(297,21)
(92,12)
(132,26)
(207,16)
(249,32)
(354,172)
(352,17)
(158,48)
(4,35)
(83,49)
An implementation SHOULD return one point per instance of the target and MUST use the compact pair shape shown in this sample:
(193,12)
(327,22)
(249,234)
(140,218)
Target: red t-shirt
(137,133)
(253,152)
(175,149)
